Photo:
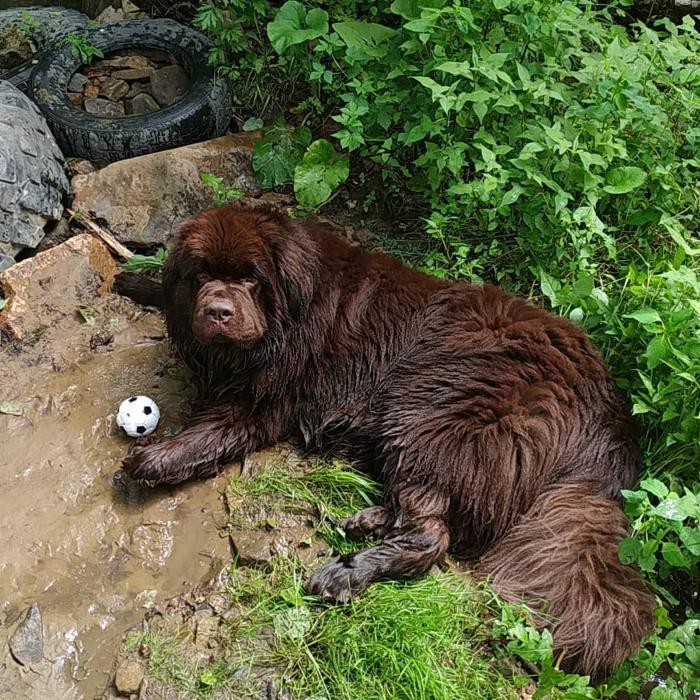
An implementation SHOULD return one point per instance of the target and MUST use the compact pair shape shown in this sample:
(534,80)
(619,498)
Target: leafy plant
(82,48)
(293,25)
(318,174)
(554,152)
(222,193)
(29,24)
(146,264)
(665,531)
(277,153)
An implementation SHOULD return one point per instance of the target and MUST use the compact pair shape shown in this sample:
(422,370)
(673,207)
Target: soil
(128,84)
(79,544)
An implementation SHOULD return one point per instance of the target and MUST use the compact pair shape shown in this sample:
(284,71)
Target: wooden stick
(105,236)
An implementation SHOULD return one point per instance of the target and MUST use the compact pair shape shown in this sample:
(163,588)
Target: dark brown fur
(495,426)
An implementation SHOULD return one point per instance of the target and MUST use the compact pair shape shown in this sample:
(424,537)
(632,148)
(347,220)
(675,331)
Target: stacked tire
(32,178)
(46,27)
(202,113)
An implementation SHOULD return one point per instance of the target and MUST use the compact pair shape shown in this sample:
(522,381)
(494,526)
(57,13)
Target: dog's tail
(139,288)
(561,559)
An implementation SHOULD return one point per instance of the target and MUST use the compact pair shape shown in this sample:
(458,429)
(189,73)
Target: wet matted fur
(495,426)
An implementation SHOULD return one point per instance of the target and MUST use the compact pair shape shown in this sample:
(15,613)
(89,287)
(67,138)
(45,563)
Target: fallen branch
(105,236)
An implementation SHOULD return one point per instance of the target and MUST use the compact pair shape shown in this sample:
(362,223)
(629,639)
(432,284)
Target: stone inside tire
(203,112)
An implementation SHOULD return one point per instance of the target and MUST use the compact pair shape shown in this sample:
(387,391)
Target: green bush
(555,152)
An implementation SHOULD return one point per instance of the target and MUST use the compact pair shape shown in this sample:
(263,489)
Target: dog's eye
(203,278)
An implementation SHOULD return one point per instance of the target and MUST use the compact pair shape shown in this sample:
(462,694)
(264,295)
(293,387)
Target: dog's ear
(297,269)
(295,257)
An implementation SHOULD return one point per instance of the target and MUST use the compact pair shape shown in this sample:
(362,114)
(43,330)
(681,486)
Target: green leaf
(319,173)
(277,154)
(480,109)
(252,124)
(583,287)
(149,264)
(88,314)
(657,350)
(11,408)
(624,179)
(513,194)
(674,555)
(664,693)
(630,550)
(645,316)
(411,9)
(293,25)
(366,38)
(672,509)
(3,303)
(690,537)
(550,287)
(658,488)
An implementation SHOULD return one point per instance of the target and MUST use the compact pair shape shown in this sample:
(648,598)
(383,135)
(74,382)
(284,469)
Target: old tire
(33,183)
(48,26)
(203,112)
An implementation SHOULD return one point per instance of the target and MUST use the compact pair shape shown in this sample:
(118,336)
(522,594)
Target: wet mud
(84,553)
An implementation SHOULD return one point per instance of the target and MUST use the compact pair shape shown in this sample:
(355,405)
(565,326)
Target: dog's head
(235,275)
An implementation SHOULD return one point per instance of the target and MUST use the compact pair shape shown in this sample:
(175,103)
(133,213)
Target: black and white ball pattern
(138,416)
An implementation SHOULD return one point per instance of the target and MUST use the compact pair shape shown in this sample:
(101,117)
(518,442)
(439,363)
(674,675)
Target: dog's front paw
(146,464)
(337,582)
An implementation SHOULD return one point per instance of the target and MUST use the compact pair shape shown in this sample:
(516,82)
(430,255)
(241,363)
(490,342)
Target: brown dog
(495,427)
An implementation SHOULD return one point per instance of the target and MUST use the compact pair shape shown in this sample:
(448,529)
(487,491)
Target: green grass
(416,641)
(331,491)
(427,639)
(430,639)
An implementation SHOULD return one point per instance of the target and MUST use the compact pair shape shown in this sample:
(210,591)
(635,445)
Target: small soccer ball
(138,416)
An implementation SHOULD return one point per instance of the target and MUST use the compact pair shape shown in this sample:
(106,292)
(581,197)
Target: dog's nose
(219,310)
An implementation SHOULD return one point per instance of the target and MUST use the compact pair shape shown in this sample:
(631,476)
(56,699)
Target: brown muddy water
(91,553)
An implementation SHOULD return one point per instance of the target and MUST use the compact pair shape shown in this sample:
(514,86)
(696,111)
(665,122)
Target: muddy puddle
(92,553)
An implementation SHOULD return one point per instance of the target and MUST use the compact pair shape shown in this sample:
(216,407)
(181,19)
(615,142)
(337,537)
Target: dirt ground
(92,551)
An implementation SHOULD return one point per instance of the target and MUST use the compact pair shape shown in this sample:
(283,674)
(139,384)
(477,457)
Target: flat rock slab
(27,643)
(129,677)
(142,199)
(77,271)
(104,108)
(143,103)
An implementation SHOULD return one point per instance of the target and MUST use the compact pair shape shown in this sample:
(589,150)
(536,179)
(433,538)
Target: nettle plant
(549,144)
(555,153)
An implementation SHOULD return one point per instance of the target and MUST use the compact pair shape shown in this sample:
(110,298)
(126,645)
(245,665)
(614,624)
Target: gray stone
(7,255)
(120,62)
(142,104)
(104,108)
(114,89)
(169,84)
(133,73)
(137,89)
(252,548)
(80,166)
(129,677)
(132,11)
(77,82)
(142,199)
(109,14)
(27,643)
